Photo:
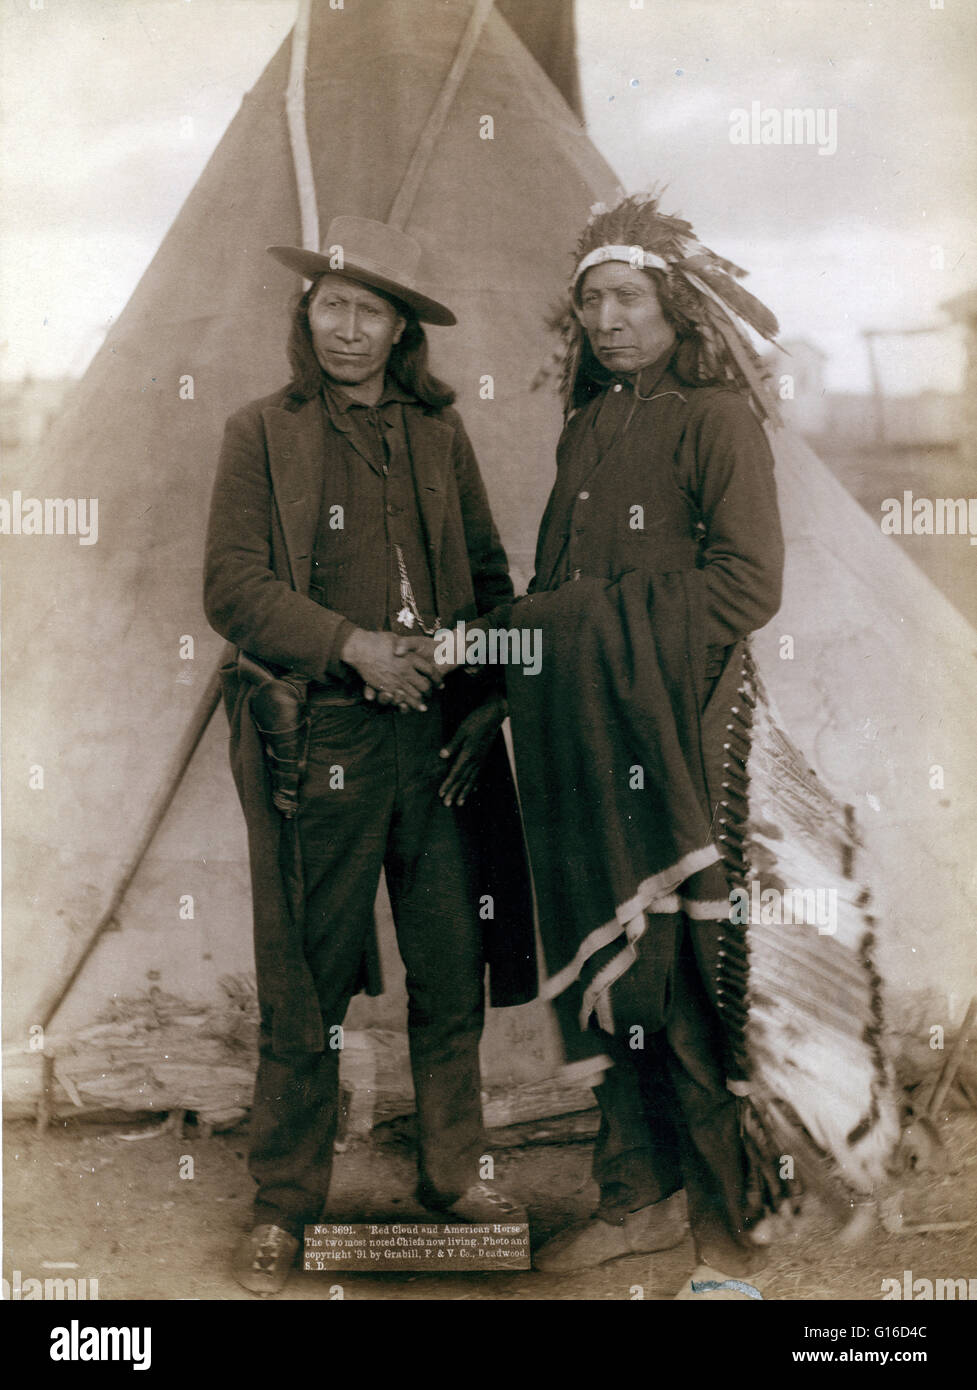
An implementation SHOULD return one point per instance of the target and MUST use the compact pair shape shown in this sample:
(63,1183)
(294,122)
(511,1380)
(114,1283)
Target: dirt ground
(107,1202)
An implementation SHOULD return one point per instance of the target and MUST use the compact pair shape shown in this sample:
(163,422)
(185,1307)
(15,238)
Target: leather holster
(280,712)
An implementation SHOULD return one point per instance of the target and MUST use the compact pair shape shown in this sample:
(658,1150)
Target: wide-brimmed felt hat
(372,254)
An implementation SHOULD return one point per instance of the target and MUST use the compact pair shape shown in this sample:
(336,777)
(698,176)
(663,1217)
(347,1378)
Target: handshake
(395,669)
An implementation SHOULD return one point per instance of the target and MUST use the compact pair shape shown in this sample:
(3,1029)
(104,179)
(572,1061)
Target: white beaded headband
(635,256)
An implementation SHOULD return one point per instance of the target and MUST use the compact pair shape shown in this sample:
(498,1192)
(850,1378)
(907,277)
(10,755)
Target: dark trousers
(668,1120)
(385,814)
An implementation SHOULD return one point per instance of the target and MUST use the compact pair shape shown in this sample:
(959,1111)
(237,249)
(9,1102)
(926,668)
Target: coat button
(617,387)
(583,496)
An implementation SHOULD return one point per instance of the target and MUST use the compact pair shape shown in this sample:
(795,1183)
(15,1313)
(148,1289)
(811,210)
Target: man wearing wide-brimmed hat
(349,522)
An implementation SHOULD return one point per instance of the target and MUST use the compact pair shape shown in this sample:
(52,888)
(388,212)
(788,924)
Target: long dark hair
(407,363)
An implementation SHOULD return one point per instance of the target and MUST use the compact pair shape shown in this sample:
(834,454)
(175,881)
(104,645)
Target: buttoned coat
(688,482)
(263,523)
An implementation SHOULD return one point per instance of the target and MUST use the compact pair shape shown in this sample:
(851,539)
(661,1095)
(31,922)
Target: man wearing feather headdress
(659,552)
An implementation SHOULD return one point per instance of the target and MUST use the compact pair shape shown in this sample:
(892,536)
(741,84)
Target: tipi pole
(181,761)
(952,1063)
(400,208)
(298,133)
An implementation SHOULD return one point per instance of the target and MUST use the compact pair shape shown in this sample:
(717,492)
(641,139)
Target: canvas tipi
(438,114)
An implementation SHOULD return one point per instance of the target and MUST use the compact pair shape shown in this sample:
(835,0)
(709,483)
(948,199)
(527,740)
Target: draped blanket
(609,758)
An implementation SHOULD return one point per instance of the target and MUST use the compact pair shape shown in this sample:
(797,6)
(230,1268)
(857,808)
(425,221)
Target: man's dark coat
(263,524)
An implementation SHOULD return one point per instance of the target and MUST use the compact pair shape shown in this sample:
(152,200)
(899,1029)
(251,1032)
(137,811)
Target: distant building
(27,410)
(931,419)
(862,421)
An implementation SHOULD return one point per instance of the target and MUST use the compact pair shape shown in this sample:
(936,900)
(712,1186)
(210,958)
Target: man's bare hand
(444,666)
(422,644)
(395,669)
(469,748)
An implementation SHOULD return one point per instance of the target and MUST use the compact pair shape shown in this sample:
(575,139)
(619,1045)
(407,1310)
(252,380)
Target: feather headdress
(699,294)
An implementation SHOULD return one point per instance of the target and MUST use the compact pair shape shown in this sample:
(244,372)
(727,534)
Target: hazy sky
(112,107)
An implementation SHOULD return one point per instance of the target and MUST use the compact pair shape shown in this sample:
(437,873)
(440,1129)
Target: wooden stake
(953,1061)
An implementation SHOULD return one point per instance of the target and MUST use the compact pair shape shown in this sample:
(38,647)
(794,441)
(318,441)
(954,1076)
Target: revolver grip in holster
(280,713)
